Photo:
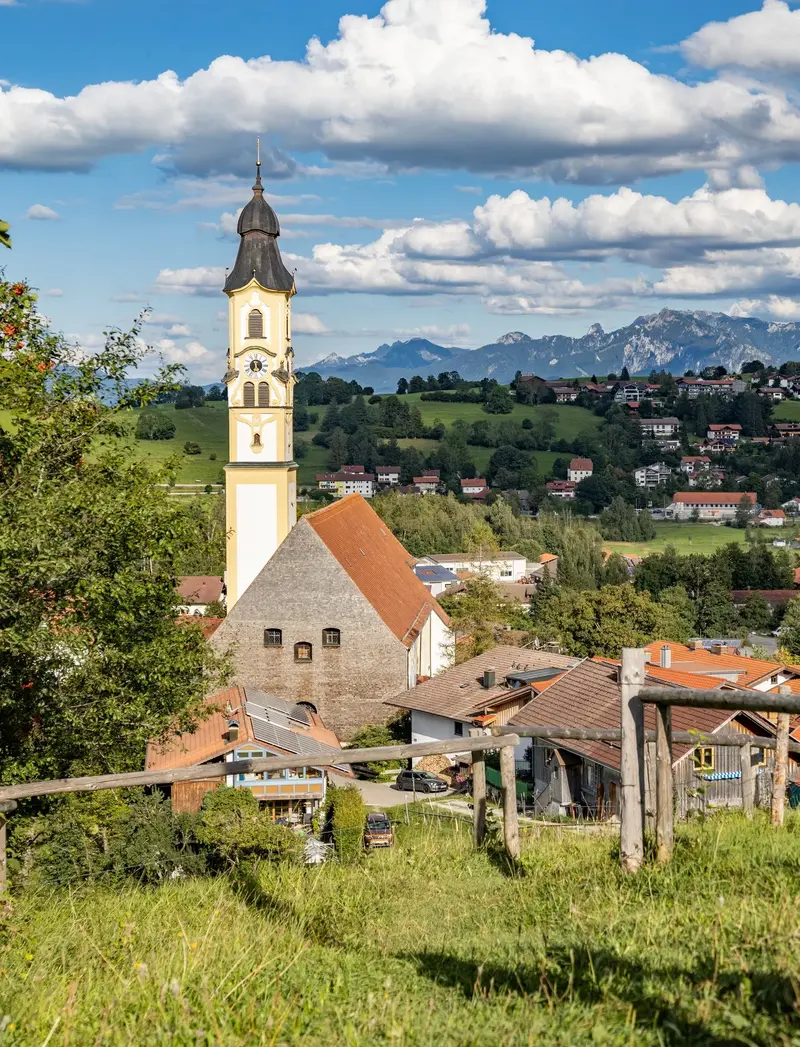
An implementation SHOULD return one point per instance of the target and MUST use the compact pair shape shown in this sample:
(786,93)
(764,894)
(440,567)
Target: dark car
(421,782)
(378,831)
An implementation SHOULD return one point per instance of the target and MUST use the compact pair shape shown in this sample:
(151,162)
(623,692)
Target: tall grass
(426,944)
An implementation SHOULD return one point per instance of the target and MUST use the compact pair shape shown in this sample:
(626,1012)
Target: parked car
(421,782)
(378,831)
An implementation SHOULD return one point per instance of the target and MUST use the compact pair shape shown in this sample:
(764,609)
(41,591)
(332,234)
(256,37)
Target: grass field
(686,537)
(571,420)
(788,411)
(428,944)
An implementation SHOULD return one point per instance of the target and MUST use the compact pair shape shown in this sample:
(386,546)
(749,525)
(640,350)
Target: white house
(729,432)
(500,567)
(387,474)
(650,476)
(435,578)
(580,469)
(473,487)
(561,489)
(694,463)
(709,505)
(658,428)
(347,482)
(771,518)
(427,484)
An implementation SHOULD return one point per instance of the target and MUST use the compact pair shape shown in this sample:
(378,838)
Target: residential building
(571,776)
(347,481)
(247,724)
(792,507)
(785,430)
(580,469)
(635,392)
(486,690)
(197,591)
(707,479)
(772,392)
(776,598)
(500,566)
(651,476)
(387,474)
(427,484)
(561,489)
(720,660)
(694,387)
(565,392)
(337,619)
(729,432)
(709,505)
(476,488)
(659,429)
(435,578)
(695,463)
(771,518)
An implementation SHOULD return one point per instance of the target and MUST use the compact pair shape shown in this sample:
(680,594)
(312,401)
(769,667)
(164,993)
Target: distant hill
(672,339)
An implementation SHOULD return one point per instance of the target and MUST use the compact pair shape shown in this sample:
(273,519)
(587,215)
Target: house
(694,387)
(650,476)
(428,483)
(709,505)
(773,393)
(486,690)
(337,619)
(387,474)
(771,518)
(476,488)
(565,392)
(729,432)
(632,392)
(658,429)
(499,566)
(775,597)
(561,489)
(570,775)
(247,724)
(785,430)
(347,481)
(435,578)
(197,591)
(792,507)
(709,478)
(695,463)
(579,469)
(721,660)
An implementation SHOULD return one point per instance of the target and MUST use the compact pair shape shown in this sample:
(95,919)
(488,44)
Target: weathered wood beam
(207,771)
(778,805)
(478,790)
(508,778)
(612,734)
(6,807)
(632,675)
(665,835)
(754,701)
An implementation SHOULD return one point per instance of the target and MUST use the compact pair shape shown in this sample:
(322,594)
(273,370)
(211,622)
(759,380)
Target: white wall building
(580,469)
(500,567)
(709,505)
(650,476)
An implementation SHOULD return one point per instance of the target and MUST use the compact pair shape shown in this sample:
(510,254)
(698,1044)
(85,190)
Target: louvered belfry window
(263,394)
(255,324)
(249,395)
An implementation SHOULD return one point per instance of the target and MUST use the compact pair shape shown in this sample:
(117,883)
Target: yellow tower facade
(261,475)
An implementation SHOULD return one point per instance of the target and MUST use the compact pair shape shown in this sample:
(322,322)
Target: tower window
(256,439)
(302,652)
(331,638)
(249,395)
(273,638)
(263,394)
(255,324)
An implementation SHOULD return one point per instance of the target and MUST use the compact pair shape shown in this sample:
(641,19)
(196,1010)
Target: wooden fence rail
(614,734)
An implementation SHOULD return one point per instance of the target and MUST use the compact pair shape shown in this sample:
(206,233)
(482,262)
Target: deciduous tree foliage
(92,659)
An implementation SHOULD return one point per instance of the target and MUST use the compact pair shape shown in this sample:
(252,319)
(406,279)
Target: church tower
(261,477)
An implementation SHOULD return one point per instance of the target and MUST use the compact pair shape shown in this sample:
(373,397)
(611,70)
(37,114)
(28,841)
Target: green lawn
(207,426)
(571,420)
(426,945)
(788,411)
(686,537)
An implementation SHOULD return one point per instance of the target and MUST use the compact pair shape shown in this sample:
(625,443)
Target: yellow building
(261,477)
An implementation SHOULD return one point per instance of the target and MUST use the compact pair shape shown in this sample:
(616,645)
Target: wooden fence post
(6,807)
(665,834)
(510,818)
(631,760)
(748,780)
(779,774)
(478,791)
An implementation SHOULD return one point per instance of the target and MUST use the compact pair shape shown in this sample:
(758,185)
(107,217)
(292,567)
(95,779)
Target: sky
(447,169)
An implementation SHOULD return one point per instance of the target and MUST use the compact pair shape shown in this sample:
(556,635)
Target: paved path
(379,794)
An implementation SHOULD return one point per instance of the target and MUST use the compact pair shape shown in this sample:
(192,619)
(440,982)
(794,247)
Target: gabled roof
(377,563)
(713,497)
(748,671)
(200,588)
(581,464)
(733,426)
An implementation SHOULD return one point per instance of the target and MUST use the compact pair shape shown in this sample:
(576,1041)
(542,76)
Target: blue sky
(435,172)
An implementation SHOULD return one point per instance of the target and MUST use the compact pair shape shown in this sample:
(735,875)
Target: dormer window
(255,324)
(263,394)
(249,394)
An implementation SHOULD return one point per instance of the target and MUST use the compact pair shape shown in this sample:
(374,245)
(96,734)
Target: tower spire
(258,165)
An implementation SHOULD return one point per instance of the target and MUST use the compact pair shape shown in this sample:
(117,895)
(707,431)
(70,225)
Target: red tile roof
(377,563)
(772,514)
(477,481)
(581,464)
(749,671)
(199,588)
(713,497)
(733,426)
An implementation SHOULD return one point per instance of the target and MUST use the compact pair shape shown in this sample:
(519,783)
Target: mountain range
(672,339)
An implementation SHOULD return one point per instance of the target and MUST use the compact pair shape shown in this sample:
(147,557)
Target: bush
(212,457)
(151,426)
(234,826)
(190,447)
(345,817)
(372,736)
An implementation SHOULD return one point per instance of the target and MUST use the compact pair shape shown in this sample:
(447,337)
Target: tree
(744,512)
(152,425)
(189,396)
(216,394)
(615,571)
(475,613)
(5,239)
(499,401)
(756,614)
(678,621)
(790,628)
(402,386)
(417,384)
(190,447)
(93,661)
(625,375)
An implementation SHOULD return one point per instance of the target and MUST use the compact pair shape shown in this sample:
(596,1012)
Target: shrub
(212,457)
(190,447)
(371,736)
(234,826)
(345,817)
(151,426)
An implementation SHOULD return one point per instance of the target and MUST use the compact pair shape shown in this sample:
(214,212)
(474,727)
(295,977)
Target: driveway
(379,794)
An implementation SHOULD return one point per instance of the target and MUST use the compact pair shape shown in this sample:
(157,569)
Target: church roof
(259,257)
(377,563)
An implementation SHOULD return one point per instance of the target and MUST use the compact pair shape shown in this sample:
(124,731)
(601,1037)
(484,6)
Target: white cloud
(291,222)
(42,213)
(308,323)
(194,194)
(179,331)
(365,97)
(204,280)
(53,292)
(781,309)
(472,189)
(451,334)
(767,41)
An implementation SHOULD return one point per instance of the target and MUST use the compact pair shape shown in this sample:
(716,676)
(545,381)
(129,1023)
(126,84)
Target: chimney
(488,678)
(233,731)
(719,648)
(695,645)
(666,656)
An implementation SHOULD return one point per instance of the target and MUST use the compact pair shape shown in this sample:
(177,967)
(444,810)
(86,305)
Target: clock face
(255,364)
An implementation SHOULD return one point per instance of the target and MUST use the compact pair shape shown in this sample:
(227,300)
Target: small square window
(459,729)
(302,652)
(703,759)
(331,638)
(273,638)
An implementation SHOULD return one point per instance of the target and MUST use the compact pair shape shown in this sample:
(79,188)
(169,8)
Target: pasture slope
(429,944)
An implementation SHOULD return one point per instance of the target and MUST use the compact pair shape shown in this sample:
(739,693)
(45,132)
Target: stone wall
(301,591)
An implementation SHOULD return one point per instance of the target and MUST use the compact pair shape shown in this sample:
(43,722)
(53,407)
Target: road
(379,794)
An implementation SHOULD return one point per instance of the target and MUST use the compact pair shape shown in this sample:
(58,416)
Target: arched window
(302,652)
(256,439)
(249,395)
(309,706)
(263,394)
(273,638)
(255,324)
(331,638)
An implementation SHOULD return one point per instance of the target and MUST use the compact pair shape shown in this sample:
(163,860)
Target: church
(325,612)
